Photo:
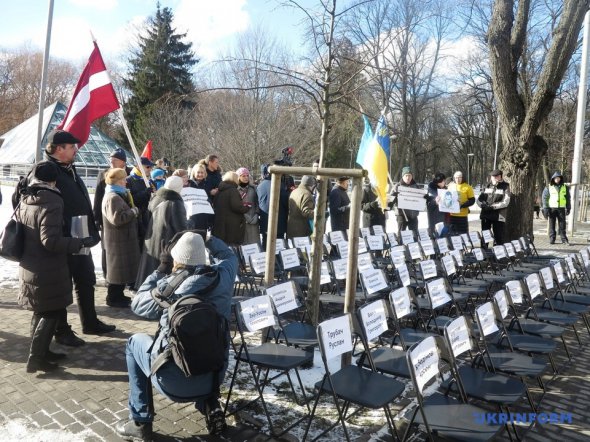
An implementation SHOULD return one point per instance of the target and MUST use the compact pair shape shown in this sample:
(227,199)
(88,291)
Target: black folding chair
(406,311)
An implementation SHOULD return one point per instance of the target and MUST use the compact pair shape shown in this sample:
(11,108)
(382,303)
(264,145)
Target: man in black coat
(142,195)
(493,202)
(213,176)
(340,205)
(61,149)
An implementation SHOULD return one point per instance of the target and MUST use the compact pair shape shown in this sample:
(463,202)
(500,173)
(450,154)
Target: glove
(344,208)
(462,206)
(374,204)
(484,205)
(426,196)
(567,212)
(89,241)
(394,193)
(165,263)
(135,211)
(546,213)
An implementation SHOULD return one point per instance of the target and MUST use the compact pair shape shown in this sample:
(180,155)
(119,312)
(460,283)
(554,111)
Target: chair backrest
(457,242)
(423,234)
(374,280)
(342,247)
(437,293)
(500,252)
(398,254)
(335,338)
(515,291)
(248,249)
(486,319)
(289,258)
(373,319)
(458,255)
(280,245)
(258,262)
(283,297)
(256,313)
(378,230)
(458,336)
(415,251)
(365,231)
(487,236)
(510,250)
(547,278)
(517,247)
(428,269)
(374,243)
(501,302)
(475,238)
(560,273)
(340,267)
(478,253)
(337,236)
(427,247)
(365,261)
(443,245)
(401,302)
(533,284)
(448,263)
(423,361)
(403,274)
(392,239)
(301,241)
(407,236)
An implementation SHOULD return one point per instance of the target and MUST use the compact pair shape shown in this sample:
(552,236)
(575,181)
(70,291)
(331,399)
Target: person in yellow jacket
(556,205)
(458,221)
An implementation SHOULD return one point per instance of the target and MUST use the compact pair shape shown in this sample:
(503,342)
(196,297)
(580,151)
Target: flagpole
(125,127)
(43,82)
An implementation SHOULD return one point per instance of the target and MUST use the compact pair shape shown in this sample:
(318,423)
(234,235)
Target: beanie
(308,181)
(406,170)
(46,171)
(174,183)
(189,250)
(158,173)
(113,175)
(119,154)
(243,171)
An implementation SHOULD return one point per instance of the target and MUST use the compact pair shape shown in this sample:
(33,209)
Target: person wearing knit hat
(435,216)
(46,171)
(406,219)
(493,201)
(166,217)
(158,177)
(249,197)
(458,221)
(212,283)
(301,207)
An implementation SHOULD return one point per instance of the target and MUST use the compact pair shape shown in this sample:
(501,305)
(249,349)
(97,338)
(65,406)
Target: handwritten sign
(289,258)
(442,244)
(365,262)
(499,252)
(258,262)
(457,242)
(547,277)
(392,238)
(457,254)
(340,266)
(337,237)
(279,245)
(448,201)
(374,317)
(325,274)
(404,274)
(415,250)
(487,236)
(400,300)
(478,253)
(559,272)
(257,313)
(365,231)
(378,230)
(458,334)
(374,242)
(510,249)
(428,268)
(249,249)
(533,283)
(424,359)
(500,298)
(407,237)
(336,336)
(474,237)
(283,297)
(517,246)
(427,247)
(486,317)
(362,247)
(195,201)
(411,198)
(524,244)
(301,241)
(466,240)
(398,255)
(449,263)
(515,291)
(437,292)
(423,234)
(374,281)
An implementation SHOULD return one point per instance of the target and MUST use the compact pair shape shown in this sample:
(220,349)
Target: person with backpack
(158,295)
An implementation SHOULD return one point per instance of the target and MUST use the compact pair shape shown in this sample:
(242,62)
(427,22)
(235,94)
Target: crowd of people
(147,236)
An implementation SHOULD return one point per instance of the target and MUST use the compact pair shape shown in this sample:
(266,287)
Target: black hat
(439,177)
(119,154)
(495,172)
(343,178)
(145,161)
(46,171)
(61,137)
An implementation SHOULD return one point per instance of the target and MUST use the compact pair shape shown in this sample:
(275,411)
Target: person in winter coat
(373,215)
(44,277)
(493,202)
(213,178)
(339,204)
(249,197)
(167,217)
(188,253)
(229,224)
(435,216)
(142,195)
(301,207)
(199,221)
(406,219)
(61,149)
(556,206)
(119,237)
(158,177)
(263,193)
(458,222)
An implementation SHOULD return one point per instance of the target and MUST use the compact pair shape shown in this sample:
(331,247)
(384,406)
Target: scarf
(122,191)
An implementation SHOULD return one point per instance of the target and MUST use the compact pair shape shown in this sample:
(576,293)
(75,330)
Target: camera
(286,159)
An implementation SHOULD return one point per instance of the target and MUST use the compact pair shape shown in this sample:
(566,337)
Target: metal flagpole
(38,147)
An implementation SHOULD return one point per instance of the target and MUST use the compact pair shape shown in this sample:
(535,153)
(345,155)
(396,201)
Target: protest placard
(195,201)
(411,198)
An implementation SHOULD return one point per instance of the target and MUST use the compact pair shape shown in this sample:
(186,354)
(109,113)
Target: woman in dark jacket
(45,281)
(435,216)
(229,224)
(199,221)
(119,237)
(168,216)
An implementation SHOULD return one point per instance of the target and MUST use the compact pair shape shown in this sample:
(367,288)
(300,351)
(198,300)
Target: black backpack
(197,334)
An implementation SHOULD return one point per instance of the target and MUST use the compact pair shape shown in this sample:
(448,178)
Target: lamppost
(469,155)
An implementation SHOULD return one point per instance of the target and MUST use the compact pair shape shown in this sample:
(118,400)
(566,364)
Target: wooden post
(317,251)
(271,235)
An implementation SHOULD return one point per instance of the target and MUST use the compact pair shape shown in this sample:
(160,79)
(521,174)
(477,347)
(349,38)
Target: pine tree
(159,68)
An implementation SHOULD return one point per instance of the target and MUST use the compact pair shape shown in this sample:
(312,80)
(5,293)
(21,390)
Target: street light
(468,168)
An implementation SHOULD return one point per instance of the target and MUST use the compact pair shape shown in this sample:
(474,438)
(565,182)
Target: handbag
(12,239)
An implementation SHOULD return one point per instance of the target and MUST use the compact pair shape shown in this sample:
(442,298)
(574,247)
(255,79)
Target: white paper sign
(487,236)
(248,250)
(337,237)
(411,198)
(290,258)
(364,262)
(427,247)
(257,313)
(510,249)
(442,244)
(407,236)
(374,242)
(438,293)
(258,262)
(524,244)
(279,245)
(428,268)
(392,239)
(340,266)
(500,252)
(457,242)
(398,254)
(404,274)
(449,264)
(301,241)
(533,284)
(547,277)
(517,246)
(362,246)
(195,201)
(515,291)
(336,336)
(414,250)
(559,273)
(374,281)
(378,230)
(325,274)
(458,257)
(342,249)
(466,240)
(485,313)
(374,319)
(474,237)
(459,336)
(478,253)
(424,358)
(423,235)
(500,297)
(585,256)
(365,231)
(400,300)
(448,201)
(283,297)
(571,265)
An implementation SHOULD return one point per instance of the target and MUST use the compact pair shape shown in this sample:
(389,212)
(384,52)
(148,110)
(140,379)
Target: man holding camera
(493,202)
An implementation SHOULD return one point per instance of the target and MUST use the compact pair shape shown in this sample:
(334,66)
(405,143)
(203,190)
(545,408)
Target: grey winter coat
(229,223)
(44,275)
(167,217)
(301,206)
(251,230)
(119,239)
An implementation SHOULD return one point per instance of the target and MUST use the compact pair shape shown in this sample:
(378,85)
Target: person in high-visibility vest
(556,205)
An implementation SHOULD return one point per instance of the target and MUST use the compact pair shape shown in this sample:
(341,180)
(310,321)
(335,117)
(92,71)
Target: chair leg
(312,413)
(566,348)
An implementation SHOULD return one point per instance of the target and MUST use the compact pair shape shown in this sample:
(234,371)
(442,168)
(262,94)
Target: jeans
(168,380)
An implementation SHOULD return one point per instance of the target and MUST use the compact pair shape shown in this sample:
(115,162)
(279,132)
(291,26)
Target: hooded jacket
(560,193)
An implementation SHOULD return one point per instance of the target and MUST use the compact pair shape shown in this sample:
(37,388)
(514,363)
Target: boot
(39,346)
(50,356)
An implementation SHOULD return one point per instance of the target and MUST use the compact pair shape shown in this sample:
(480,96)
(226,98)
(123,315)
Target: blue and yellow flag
(365,142)
(376,160)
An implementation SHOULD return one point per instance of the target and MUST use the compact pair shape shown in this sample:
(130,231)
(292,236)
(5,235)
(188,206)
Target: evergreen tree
(159,69)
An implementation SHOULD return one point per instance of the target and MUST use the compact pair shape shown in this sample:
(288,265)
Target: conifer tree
(159,69)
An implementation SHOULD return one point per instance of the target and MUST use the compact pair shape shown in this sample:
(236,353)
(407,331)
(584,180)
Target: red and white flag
(94,97)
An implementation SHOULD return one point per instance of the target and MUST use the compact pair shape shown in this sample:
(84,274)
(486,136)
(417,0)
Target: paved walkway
(85,399)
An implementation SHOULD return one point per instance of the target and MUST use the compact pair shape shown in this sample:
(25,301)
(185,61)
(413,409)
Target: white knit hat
(174,183)
(189,249)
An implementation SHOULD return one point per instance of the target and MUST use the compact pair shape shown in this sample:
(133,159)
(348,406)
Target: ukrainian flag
(365,142)
(376,160)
